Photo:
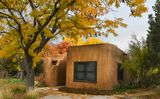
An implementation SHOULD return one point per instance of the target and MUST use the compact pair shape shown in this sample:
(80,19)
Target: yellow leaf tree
(92,40)
(83,41)
(32,23)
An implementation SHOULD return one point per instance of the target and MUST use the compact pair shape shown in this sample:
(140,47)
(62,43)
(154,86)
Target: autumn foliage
(53,49)
(61,48)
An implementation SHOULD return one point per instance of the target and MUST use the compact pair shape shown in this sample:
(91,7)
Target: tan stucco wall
(55,75)
(107,57)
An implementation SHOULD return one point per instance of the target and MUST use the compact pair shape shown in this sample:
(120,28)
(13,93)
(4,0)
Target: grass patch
(12,87)
(32,94)
(6,94)
(13,81)
(2,82)
(19,89)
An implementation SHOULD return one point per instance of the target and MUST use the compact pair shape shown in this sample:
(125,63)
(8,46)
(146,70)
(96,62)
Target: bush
(39,68)
(32,95)
(121,89)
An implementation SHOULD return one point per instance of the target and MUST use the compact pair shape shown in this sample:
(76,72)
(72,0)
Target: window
(85,71)
(54,62)
(120,72)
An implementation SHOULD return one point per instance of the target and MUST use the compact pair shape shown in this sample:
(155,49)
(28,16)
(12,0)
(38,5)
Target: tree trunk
(30,73)
(141,76)
(22,70)
(21,73)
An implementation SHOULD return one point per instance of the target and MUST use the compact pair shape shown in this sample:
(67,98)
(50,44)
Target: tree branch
(41,46)
(11,25)
(4,32)
(20,13)
(33,7)
(40,29)
(9,9)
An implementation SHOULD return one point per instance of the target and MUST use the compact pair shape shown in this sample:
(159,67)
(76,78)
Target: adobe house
(97,66)
(54,70)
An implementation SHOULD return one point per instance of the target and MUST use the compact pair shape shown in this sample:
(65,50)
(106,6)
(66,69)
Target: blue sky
(137,26)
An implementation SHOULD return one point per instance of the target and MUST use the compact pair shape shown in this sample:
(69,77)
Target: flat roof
(89,45)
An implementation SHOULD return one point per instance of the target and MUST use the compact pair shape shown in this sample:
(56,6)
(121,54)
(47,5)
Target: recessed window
(120,72)
(85,71)
(54,62)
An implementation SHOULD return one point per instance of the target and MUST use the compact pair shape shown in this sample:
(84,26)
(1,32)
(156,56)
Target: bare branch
(4,32)
(21,14)
(11,25)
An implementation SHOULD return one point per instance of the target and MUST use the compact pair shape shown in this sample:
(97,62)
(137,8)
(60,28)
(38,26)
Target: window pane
(91,66)
(80,67)
(80,76)
(85,71)
(91,76)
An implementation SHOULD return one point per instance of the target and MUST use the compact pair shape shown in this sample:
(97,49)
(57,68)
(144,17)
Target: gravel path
(78,97)
(53,93)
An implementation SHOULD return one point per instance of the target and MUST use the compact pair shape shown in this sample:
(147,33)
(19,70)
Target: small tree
(9,66)
(11,54)
(137,63)
(153,37)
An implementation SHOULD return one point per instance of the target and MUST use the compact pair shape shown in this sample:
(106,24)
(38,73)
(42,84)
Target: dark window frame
(85,72)
(120,72)
(54,62)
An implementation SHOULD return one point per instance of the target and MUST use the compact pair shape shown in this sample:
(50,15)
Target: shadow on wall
(54,70)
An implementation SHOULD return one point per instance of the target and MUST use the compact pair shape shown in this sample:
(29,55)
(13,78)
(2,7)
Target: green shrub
(123,88)
(19,90)
(119,89)
(15,81)
(39,68)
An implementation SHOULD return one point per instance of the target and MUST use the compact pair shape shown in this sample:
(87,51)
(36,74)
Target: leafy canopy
(29,24)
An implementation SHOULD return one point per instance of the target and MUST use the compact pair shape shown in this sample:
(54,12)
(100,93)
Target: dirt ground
(54,93)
